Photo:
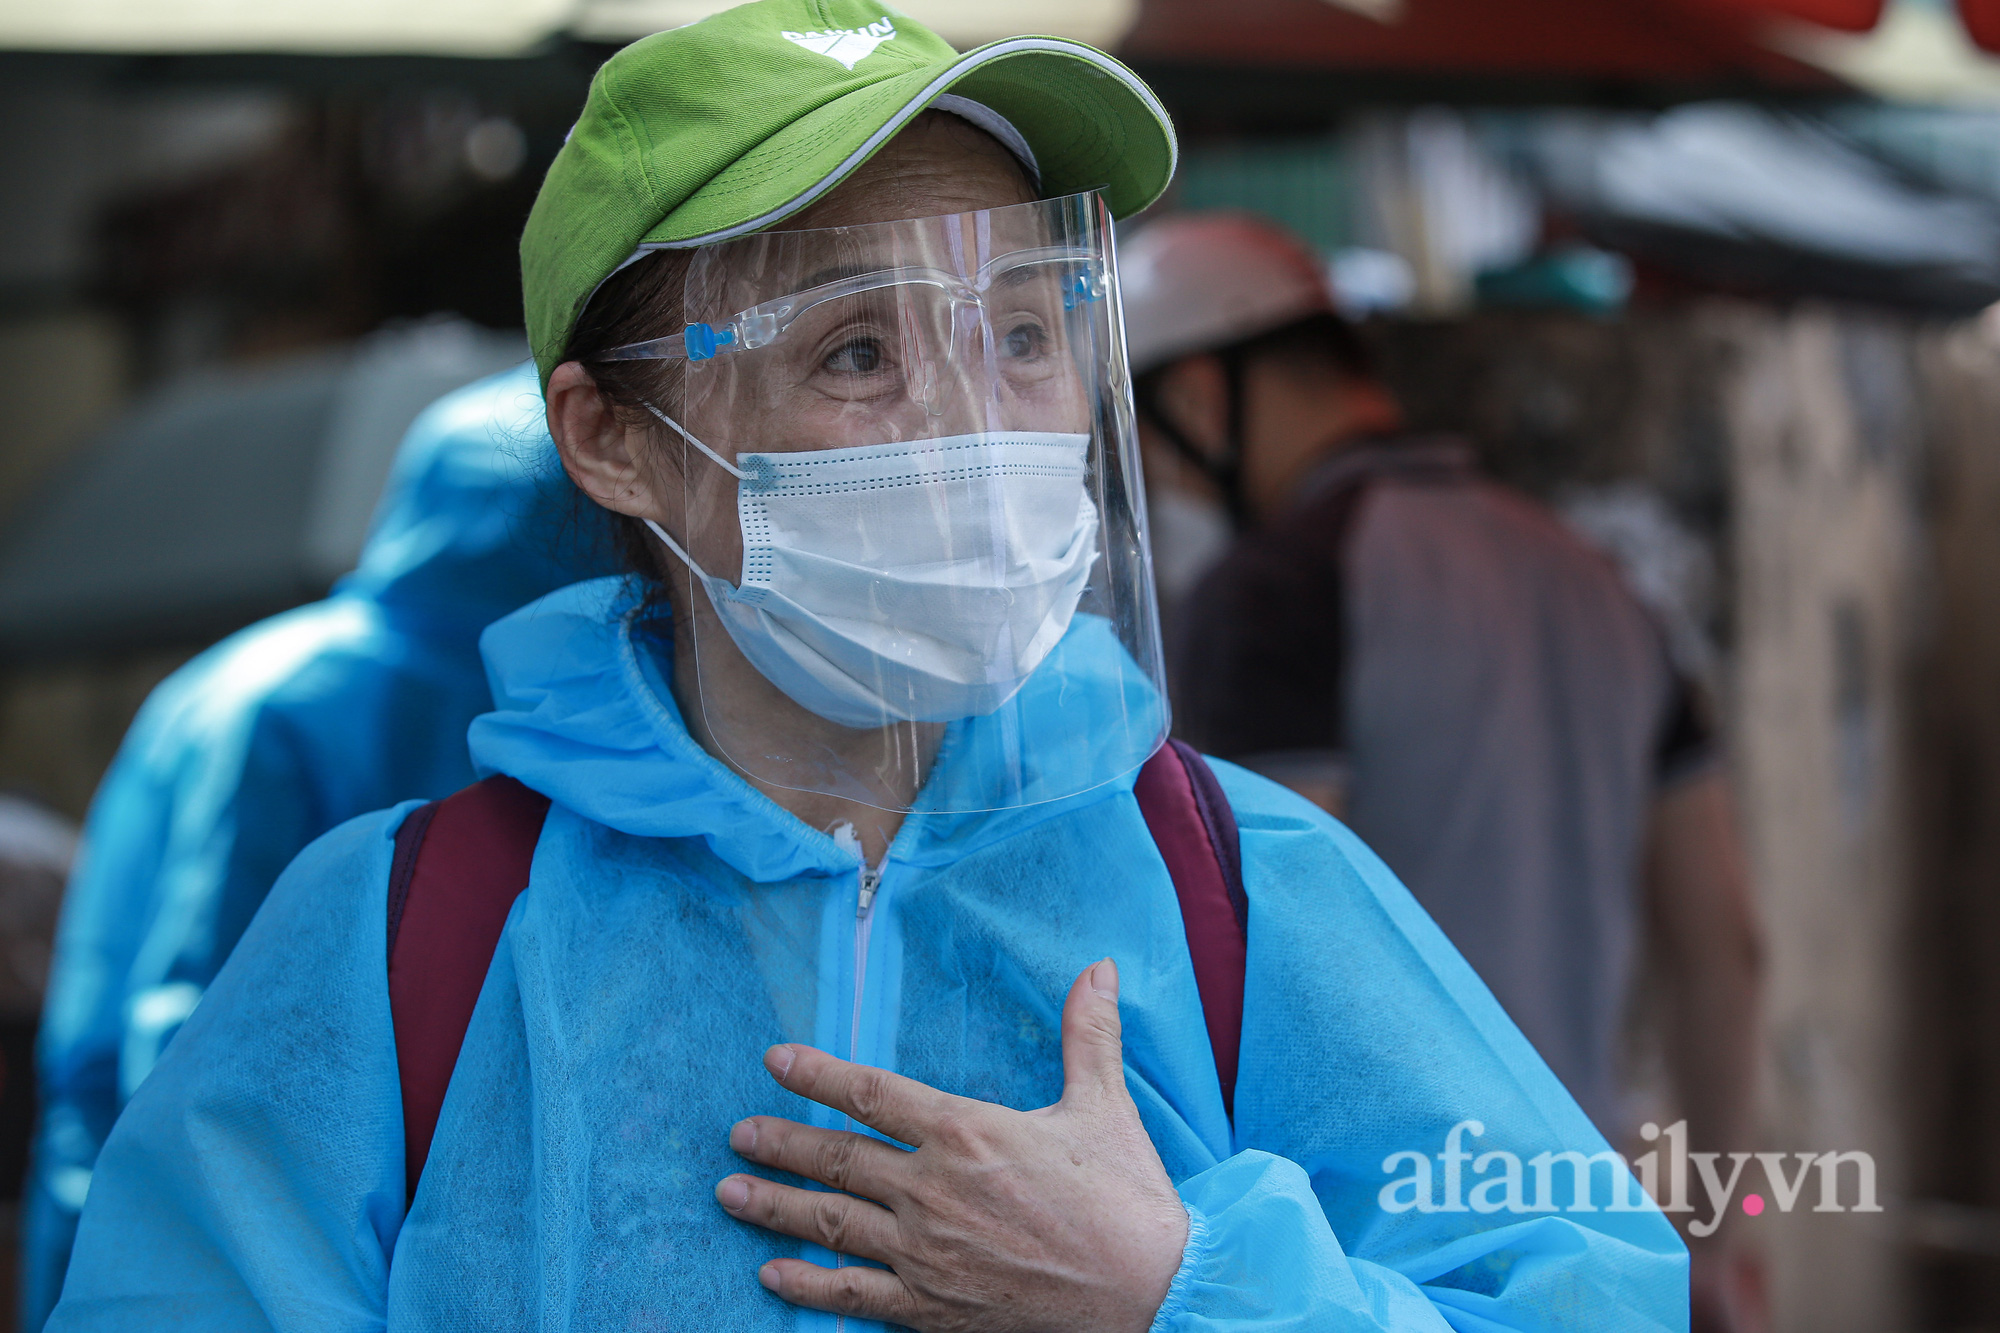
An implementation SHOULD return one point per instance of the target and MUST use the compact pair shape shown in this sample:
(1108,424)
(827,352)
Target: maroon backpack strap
(459,865)
(1195,830)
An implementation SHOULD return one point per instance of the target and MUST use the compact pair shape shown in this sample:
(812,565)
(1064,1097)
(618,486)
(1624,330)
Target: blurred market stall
(472,27)
(228,495)
(1707,274)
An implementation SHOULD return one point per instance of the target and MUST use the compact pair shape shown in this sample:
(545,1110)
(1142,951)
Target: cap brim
(1092,123)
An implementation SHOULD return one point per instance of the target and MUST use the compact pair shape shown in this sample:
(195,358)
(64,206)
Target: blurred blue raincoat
(677,922)
(269,739)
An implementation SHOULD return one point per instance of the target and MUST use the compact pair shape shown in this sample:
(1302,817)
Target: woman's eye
(857,356)
(1024,341)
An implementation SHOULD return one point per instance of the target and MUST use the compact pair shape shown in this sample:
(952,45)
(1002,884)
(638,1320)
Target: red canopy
(1679,41)
(1982,20)
(1848,15)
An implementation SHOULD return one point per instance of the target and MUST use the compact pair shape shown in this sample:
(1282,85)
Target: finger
(851,1162)
(1092,1038)
(841,1222)
(865,1293)
(902,1108)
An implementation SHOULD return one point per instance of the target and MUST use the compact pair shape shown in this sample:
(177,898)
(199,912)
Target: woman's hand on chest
(1001,1220)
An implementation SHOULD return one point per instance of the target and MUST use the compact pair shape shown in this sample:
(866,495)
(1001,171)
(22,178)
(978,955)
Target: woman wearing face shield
(848,982)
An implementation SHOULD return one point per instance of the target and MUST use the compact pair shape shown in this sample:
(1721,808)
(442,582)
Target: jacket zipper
(864,918)
(868,881)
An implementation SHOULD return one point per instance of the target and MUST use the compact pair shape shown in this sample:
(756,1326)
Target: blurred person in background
(1438,660)
(1213,306)
(269,739)
(37,849)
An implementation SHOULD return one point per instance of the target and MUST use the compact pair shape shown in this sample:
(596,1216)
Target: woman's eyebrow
(1022,273)
(835,273)
(1013,276)
(851,269)
(832,273)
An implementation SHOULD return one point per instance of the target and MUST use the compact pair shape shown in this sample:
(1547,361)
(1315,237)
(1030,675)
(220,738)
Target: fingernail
(1104,979)
(732,1193)
(768,1275)
(779,1061)
(743,1136)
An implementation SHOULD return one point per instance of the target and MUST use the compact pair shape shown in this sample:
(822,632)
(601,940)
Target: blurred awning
(1683,41)
(963,23)
(311,27)
(1922,51)
(228,495)
(1754,199)
(1982,21)
(468,27)
(1661,41)
(1679,42)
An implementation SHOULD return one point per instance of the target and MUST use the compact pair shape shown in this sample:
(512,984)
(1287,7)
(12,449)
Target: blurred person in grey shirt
(1440,661)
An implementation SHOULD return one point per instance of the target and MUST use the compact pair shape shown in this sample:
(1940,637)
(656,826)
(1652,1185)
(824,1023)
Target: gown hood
(477,516)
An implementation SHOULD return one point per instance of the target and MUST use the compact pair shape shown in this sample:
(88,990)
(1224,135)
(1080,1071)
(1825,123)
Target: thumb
(1093,1047)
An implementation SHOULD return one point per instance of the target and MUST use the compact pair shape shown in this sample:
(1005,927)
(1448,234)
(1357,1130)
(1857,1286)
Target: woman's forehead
(936,165)
(967,249)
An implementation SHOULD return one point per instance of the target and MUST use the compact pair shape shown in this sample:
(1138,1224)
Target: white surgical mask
(922,581)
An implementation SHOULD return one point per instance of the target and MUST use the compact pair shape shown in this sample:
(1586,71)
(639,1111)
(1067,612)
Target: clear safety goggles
(1063,273)
(911,498)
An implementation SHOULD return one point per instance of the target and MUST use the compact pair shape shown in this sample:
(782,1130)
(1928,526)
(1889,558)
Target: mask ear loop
(675,547)
(719,461)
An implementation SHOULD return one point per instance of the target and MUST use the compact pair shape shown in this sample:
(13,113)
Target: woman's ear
(599,451)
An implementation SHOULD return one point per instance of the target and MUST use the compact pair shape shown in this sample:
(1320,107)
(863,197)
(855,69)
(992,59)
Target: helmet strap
(1225,469)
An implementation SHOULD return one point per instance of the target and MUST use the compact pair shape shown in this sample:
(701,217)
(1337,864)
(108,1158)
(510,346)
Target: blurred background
(1715,277)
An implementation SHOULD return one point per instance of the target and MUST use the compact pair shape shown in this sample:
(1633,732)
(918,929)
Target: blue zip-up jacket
(677,922)
(269,739)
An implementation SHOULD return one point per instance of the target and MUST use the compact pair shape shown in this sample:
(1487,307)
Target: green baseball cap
(735,123)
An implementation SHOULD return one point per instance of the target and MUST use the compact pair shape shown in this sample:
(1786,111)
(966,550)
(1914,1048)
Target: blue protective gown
(677,922)
(269,739)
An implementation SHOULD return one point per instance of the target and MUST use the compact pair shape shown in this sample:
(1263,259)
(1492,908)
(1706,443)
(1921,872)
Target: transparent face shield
(910,505)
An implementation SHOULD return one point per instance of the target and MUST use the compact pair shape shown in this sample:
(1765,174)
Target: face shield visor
(910,503)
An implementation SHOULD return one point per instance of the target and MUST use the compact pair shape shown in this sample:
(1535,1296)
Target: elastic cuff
(1182,1287)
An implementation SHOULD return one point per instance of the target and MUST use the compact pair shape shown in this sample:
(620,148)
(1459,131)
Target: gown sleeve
(255,1181)
(1365,1035)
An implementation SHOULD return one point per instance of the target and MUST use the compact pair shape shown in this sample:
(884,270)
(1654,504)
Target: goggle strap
(718,459)
(670,348)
